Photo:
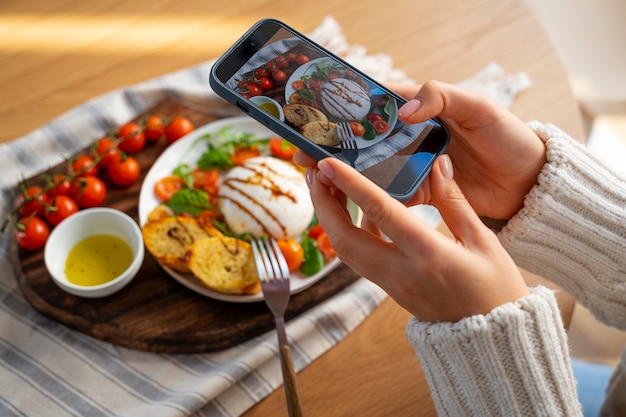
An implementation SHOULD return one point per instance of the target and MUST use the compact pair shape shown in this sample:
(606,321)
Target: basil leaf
(370,133)
(189,201)
(184,171)
(313,258)
(215,157)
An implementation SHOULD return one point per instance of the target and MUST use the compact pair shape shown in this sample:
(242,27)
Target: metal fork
(274,275)
(347,142)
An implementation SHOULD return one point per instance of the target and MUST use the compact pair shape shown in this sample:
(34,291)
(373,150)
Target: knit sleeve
(572,228)
(512,361)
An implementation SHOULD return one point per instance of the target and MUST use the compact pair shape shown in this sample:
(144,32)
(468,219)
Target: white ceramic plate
(187,150)
(361,142)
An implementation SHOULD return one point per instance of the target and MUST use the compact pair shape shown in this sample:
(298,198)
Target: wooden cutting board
(154,312)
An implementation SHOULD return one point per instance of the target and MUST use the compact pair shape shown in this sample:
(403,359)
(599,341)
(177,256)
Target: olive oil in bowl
(97,260)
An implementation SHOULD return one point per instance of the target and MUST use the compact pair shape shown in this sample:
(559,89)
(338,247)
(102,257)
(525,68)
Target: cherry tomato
(261,72)
(298,85)
(324,246)
(292,57)
(207,181)
(282,148)
(165,188)
(332,75)
(372,117)
(33,234)
(155,127)
(294,254)
(107,151)
(315,231)
(84,165)
(243,153)
(302,59)
(380,126)
(124,172)
(62,208)
(205,178)
(279,75)
(282,61)
(177,128)
(132,139)
(357,128)
(89,192)
(254,90)
(265,83)
(33,201)
(61,185)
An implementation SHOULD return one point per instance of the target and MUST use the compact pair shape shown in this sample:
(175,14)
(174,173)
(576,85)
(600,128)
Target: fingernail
(445,164)
(326,169)
(308,176)
(409,108)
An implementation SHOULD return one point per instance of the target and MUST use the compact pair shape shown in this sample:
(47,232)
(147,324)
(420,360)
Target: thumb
(454,208)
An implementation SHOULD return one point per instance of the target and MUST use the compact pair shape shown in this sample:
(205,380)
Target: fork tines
(271,263)
(346,137)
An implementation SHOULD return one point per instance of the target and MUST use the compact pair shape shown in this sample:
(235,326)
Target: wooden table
(56,55)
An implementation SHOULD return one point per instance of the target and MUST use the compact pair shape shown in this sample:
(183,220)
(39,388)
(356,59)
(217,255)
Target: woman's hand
(496,156)
(429,274)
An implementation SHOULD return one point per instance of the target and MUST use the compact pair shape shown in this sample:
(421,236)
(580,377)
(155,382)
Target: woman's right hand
(496,157)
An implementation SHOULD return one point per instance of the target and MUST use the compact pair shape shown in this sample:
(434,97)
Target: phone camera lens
(253,44)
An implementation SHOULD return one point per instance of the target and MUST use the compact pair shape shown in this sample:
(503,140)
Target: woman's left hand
(432,276)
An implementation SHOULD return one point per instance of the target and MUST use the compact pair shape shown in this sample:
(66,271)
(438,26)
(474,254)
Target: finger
(454,208)
(357,247)
(407,91)
(304,159)
(392,218)
(437,99)
(370,226)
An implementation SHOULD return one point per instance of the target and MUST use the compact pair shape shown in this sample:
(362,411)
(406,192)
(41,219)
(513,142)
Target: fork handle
(290,384)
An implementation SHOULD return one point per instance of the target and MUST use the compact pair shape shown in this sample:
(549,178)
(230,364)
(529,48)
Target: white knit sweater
(515,359)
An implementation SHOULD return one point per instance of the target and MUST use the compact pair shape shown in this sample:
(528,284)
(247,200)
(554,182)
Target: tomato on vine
(107,151)
(177,128)
(302,59)
(124,172)
(84,165)
(89,192)
(62,207)
(33,201)
(265,83)
(254,90)
(59,185)
(279,75)
(154,129)
(132,138)
(32,233)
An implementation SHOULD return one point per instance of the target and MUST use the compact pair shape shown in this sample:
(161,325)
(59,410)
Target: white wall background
(590,37)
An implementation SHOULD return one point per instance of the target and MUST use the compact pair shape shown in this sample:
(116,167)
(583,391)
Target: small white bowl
(261,100)
(86,223)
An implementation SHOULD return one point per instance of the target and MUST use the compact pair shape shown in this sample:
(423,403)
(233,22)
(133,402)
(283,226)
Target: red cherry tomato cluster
(41,208)
(271,73)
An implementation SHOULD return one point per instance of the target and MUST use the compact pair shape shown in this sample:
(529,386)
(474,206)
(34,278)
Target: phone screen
(313,93)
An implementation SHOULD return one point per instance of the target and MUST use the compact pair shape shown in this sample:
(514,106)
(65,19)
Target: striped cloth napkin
(47,369)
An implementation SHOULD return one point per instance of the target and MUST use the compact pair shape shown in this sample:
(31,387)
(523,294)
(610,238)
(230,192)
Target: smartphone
(309,96)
